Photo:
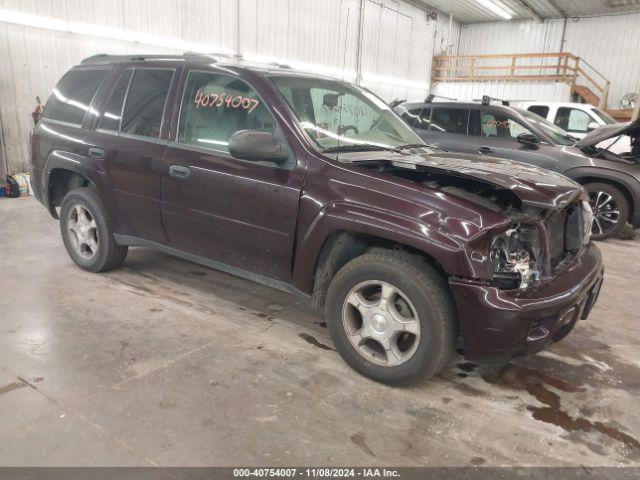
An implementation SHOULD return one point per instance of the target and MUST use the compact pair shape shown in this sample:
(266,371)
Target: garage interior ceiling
(471,11)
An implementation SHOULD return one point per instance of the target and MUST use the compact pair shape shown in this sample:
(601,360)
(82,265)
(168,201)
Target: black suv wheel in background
(610,210)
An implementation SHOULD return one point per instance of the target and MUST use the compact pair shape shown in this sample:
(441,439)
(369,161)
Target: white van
(578,119)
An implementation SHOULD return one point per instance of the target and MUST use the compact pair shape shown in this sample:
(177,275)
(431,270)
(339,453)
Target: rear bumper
(499,324)
(36,183)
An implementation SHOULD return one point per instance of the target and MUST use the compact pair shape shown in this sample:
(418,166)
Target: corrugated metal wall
(473,91)
(398,40)
(611,44)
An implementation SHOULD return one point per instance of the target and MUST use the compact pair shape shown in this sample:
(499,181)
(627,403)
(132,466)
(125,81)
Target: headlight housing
(515,256)
(587,222)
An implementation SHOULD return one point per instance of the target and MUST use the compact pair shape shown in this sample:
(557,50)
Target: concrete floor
(164,362)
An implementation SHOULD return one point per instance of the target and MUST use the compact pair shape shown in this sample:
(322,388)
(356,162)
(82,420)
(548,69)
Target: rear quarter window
(72,96)
(541,110)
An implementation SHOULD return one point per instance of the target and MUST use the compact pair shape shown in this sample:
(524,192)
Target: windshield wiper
(359,148)
(413,145)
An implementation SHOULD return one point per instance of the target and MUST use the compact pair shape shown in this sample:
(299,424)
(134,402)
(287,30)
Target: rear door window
(146,99)
(113,112)
(573,119)
(541,110)
(215,106)
(499,125)
(72,96)
(451,120)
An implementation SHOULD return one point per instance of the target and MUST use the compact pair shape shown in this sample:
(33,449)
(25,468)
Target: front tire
(86,233)
(391,317)
(610,210)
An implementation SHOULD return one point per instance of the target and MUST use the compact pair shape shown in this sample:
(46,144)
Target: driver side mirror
(592,126)
(256,146)
(529,139)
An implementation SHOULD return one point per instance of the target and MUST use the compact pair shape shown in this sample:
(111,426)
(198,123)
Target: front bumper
(499,324)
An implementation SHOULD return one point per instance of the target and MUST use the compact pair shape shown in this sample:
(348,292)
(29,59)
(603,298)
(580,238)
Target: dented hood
(606,132)
(532,185)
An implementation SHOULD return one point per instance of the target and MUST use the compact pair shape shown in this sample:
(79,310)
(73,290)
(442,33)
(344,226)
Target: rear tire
(87,234)
(610,210)
(418,300)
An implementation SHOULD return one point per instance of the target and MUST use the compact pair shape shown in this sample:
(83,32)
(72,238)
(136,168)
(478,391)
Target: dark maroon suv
(315,186)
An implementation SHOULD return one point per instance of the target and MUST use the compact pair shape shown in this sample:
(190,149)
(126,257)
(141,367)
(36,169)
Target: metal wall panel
(397,43)
(473,91)
(611,44)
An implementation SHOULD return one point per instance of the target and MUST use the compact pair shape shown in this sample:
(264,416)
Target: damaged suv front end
(537,274)
(511,240)
(529,276)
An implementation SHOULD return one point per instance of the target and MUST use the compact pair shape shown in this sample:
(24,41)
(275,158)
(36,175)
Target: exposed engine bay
(592,143)
(538,243)
(632,156)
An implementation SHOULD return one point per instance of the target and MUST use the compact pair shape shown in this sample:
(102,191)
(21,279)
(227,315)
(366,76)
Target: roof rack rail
(432,96)
(395,102)
(105,58)
(486,100)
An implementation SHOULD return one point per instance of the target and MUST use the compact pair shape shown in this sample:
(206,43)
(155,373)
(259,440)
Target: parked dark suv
(611,180)
(315,186)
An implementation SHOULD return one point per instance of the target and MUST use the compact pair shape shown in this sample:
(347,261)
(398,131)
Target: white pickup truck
(578,119)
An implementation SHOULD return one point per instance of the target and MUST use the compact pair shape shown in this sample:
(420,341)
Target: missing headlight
(587,221)
(514,257)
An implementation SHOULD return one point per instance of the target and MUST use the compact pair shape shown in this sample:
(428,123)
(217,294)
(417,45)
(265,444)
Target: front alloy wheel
(391,316)
(381,323)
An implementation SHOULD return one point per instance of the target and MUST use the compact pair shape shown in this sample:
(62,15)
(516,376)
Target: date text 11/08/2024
(315,472)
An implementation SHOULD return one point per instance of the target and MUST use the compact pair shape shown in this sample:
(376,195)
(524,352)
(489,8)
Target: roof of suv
(493,106)
(236,62)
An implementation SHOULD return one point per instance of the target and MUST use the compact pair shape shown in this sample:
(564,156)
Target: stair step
(586,94)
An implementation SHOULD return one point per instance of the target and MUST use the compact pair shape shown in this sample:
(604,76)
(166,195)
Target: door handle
(485,150)
(178,171)
(95,152)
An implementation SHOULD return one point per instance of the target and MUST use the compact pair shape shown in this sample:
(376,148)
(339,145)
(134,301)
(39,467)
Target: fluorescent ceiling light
(37,21)
(495,8)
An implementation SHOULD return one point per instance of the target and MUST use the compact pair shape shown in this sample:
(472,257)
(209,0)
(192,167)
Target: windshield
(558,135)
(606,118)
(342,116)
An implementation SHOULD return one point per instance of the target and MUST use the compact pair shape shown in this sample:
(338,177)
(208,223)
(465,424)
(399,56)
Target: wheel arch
(65,172)
(617,181)
(342,246)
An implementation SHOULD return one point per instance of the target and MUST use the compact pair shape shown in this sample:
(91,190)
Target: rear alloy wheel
(83,232)
(610,210)
(86,232)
